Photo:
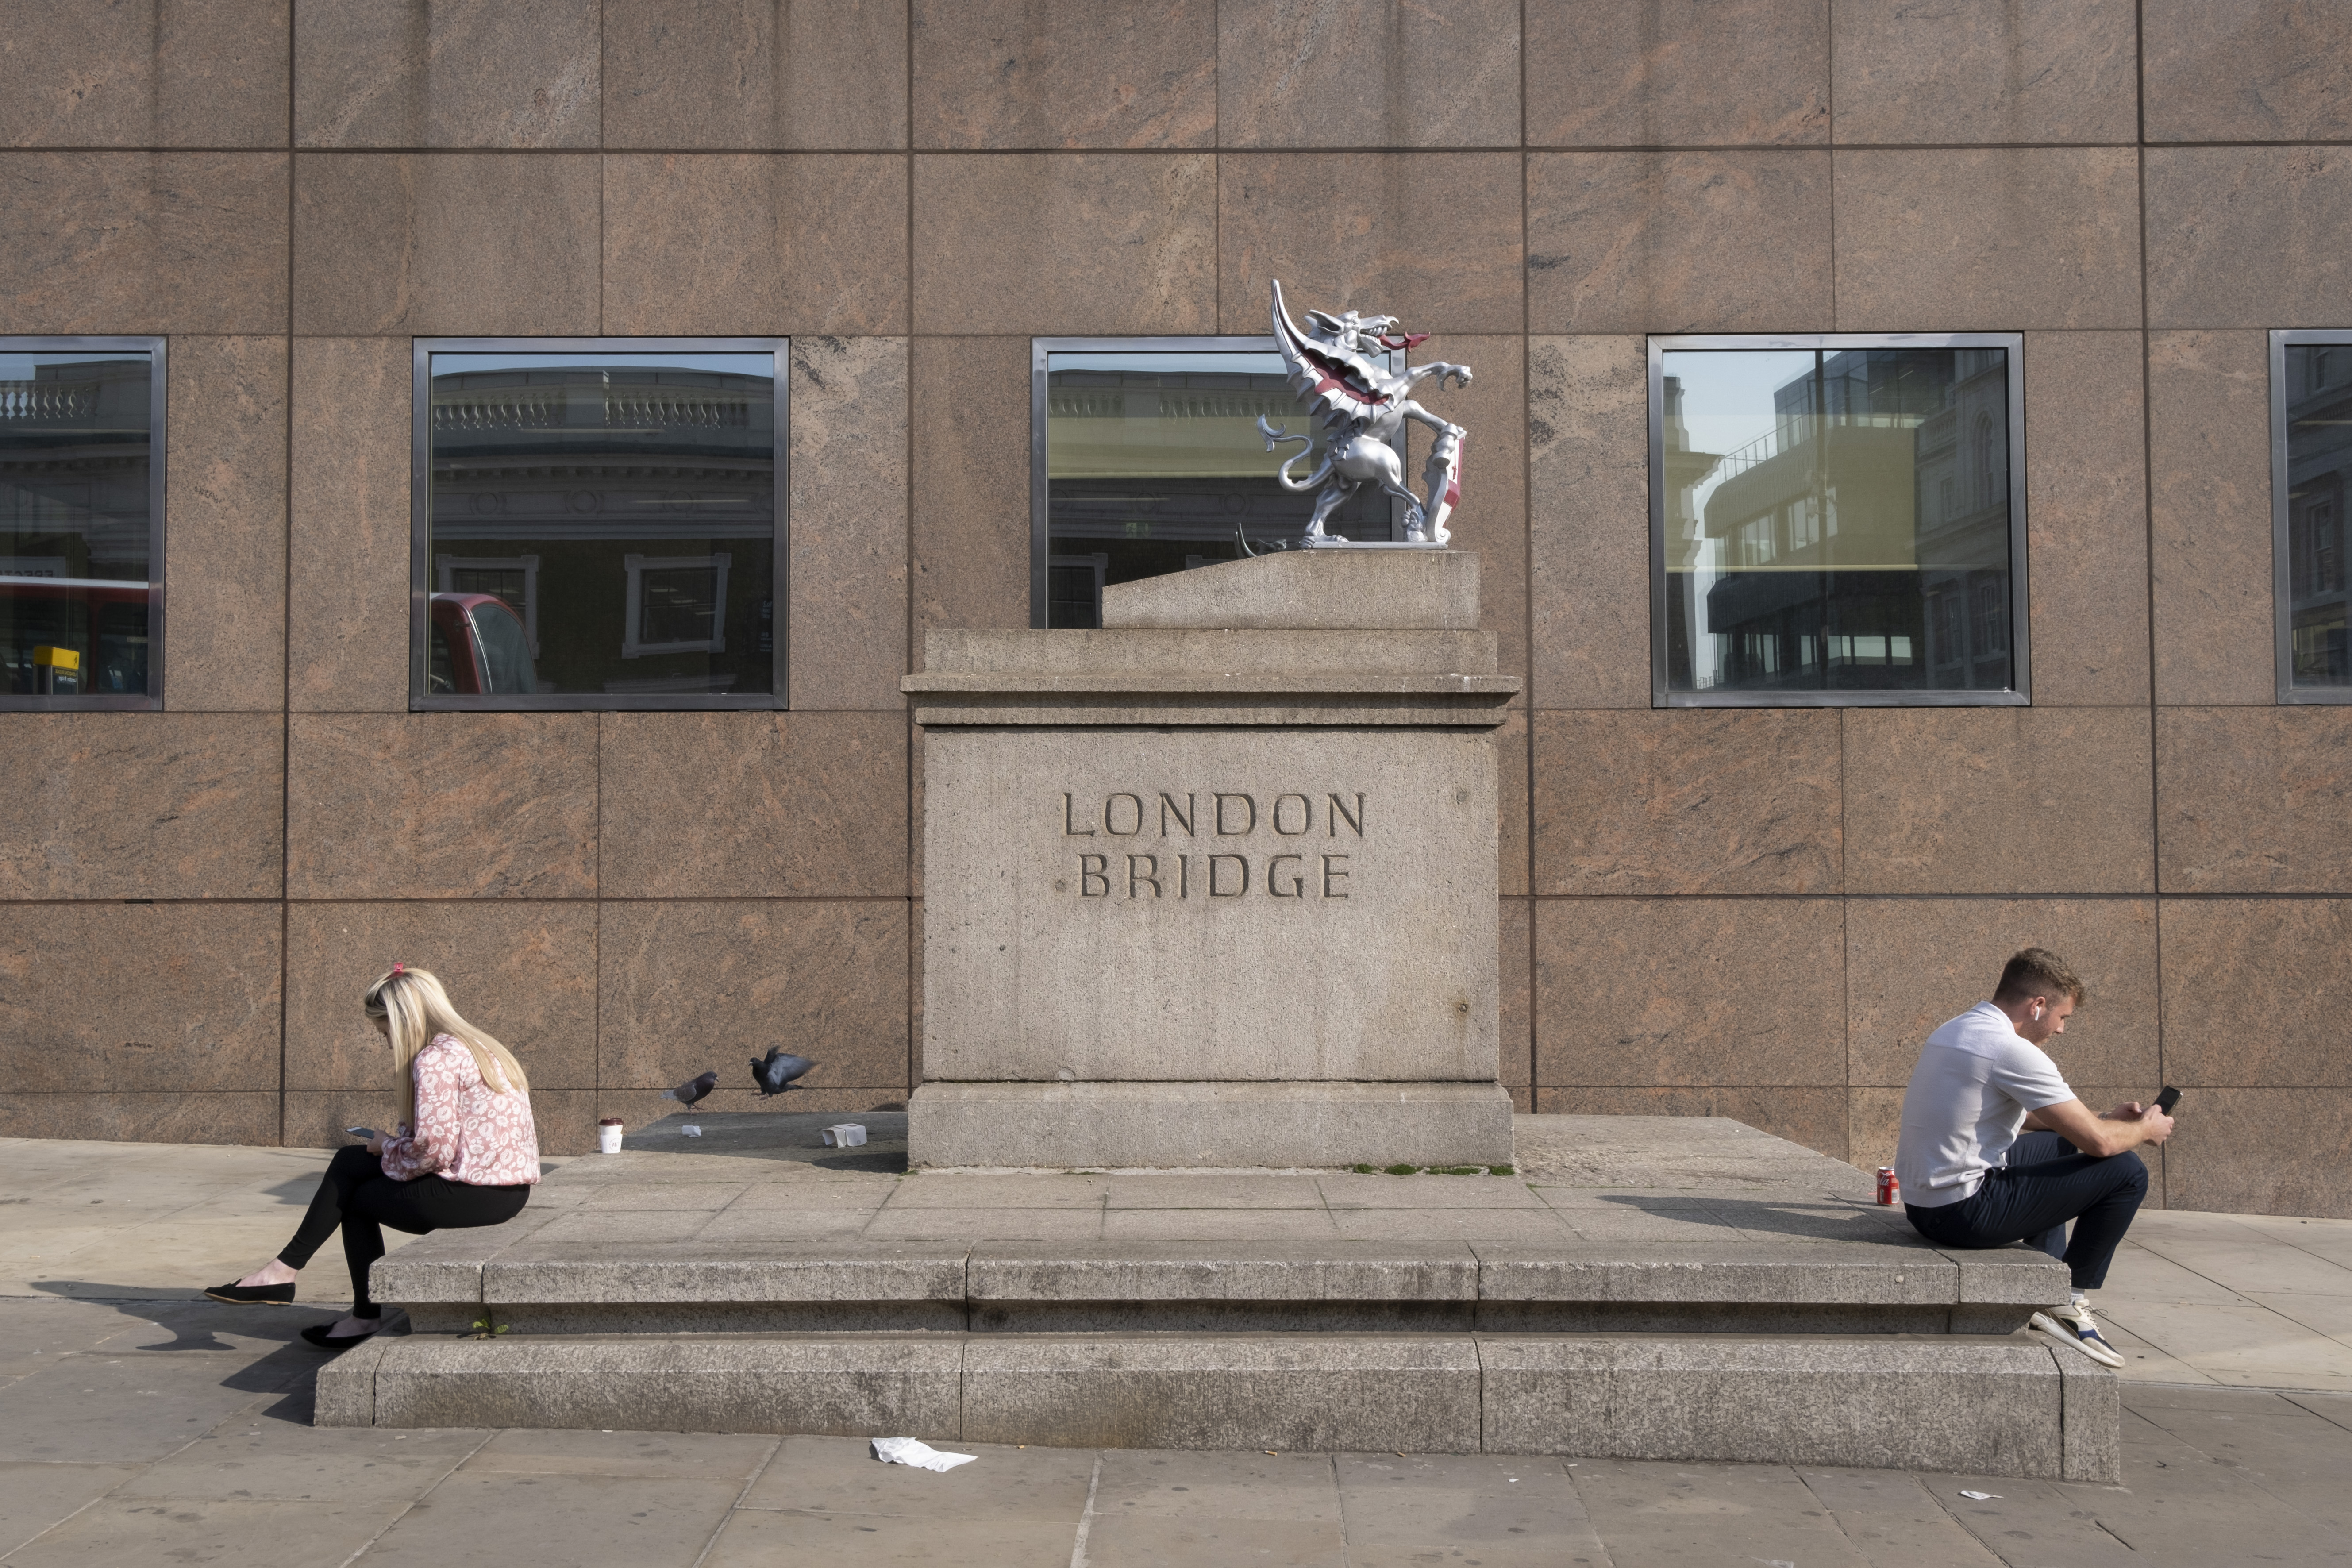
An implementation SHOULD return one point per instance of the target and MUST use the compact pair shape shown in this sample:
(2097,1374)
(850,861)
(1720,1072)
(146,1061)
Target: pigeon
(775,1075)
(693,1089)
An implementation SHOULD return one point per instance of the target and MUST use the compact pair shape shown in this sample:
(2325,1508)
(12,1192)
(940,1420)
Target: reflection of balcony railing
(1798,431)
(551,408)
(49,400)
(1113,404)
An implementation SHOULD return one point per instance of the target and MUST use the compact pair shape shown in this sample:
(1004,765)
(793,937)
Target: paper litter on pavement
(847,1135)
(1980,1497)
(921,1455)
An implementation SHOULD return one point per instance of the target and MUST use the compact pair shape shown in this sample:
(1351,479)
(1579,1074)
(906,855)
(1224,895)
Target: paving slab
(762,1539)
(1714,1514)
(253,1533)
(1506,1511)
(580,1520)
(1893,1520)
(36,1496)
(821,1475)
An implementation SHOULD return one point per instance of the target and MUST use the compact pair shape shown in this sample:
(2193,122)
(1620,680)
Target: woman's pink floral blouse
(464,1133)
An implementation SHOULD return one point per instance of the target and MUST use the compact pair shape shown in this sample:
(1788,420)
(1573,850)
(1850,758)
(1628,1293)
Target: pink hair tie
(398,968)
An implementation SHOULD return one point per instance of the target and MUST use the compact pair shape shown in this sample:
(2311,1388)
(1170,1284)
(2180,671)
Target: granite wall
(1747,914)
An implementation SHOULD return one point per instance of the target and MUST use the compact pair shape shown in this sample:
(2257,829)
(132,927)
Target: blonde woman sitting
(466,1155)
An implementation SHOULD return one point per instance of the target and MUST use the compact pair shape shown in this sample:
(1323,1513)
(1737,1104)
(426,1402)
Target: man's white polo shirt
(1976,1079)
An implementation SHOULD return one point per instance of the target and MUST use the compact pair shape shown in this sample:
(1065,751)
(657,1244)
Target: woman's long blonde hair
(418,1009)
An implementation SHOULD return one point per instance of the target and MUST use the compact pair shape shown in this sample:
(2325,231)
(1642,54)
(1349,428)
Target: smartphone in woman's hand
(362,1133)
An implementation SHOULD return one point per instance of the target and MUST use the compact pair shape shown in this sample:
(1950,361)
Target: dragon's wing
(1337,388)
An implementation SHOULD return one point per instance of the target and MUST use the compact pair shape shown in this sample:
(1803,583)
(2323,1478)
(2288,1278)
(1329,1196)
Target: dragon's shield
(1443,476)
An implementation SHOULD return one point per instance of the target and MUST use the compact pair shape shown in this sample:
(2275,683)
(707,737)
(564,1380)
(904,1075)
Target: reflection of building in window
(77,537)
(2318,397)
(1852,545)
(512,579)
(625,507)
(674,605)
(1154,463)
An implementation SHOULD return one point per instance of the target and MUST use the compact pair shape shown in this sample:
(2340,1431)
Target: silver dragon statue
(1338,367)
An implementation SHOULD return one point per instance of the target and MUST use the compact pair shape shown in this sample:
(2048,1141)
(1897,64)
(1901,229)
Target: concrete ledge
(344,1395)
(701,1271)
(2012,1406)
(1130,1126)
(1416,1394)
(836,1387)
(1987,1407)
(1362,590)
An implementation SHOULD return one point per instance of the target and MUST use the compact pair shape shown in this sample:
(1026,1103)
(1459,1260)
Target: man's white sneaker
(2078,1328)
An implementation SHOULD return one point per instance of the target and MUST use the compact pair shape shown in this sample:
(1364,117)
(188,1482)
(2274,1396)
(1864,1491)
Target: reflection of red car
(102,619)
(478,648)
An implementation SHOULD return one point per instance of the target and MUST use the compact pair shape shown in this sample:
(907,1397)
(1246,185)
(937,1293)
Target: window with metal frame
(1146,458)
(599,523)
(81,522)
(1837,519)
(2311,458)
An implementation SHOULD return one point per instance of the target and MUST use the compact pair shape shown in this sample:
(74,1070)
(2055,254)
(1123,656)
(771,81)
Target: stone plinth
(1214,886)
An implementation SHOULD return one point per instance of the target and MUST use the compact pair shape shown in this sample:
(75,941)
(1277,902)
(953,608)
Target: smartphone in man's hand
(2168,1100)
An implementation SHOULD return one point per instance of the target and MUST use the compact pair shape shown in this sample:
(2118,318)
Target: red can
(1886,1186)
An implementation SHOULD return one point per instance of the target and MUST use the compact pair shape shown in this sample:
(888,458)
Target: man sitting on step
(1970,1180)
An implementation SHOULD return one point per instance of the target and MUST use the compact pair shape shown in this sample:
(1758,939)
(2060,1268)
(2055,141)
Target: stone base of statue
(1214,886)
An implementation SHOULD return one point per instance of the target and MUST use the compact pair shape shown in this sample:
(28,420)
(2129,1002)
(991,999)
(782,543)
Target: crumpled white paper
(1980,1497)
(921,1455)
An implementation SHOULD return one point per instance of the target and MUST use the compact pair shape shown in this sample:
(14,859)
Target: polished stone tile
(1690,992)
(1643,75)
(1687,801)
(141,1116)
(848,620)
(968,410)
(993,74)
(226,545)
(2064,70)
(1911,963)
(165,999)
(1998,800)
(2249,236)
(2086,516)
(526,972)
(1814,1116)
(397,243)
(685,988)
(1289,74)
(2258,71)
(771,244)
(1589,522)
(2224,954)
(454,73)
(2209,516)
(2250,800)
(687,73)
(1514,937)
(1066,243)
(159,73)
(2001,239)
(1492,516)
(144,805)
(754,805)
(2302,1136)
(441,805)
(1513,823)
(1679,242)
(144,242)
(1361,231)
(348,610)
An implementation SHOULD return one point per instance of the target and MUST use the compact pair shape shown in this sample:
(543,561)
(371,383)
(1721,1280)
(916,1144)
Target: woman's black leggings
(356,1195)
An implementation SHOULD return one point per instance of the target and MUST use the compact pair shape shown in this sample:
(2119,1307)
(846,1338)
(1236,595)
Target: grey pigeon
(775,1075)
(693,1089)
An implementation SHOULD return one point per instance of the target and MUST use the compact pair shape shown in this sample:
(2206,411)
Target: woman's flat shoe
(254,1295)
(317,1335)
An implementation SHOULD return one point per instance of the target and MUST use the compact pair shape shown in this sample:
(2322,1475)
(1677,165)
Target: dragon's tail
(1274,435)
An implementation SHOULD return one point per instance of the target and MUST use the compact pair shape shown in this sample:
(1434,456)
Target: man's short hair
(2037,971)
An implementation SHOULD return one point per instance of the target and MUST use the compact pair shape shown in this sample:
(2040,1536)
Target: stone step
(537,1286)
(2016,1406)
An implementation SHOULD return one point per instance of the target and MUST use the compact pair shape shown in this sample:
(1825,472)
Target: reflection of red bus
(104,620)
(477,647)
